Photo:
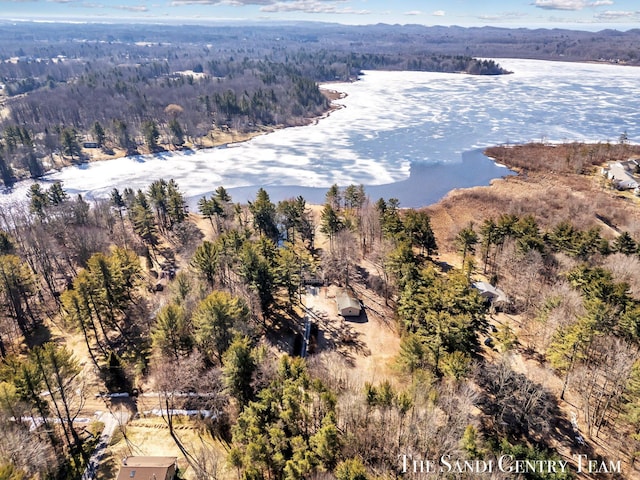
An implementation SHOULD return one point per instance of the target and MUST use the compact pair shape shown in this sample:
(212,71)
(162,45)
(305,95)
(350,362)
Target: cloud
(570,4)
(240,3)
(502,16)
(311,6)
(271,6)
(413,13)
(131,8)
(178,3)
(235,3)
(438,13)
(560,4)
(617,15)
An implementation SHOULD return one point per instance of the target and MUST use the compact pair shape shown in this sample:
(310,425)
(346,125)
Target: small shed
(491,294)
(348,306)
(148,468)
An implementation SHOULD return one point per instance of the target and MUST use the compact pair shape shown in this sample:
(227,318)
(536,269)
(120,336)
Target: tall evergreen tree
(418,227)
(38,200)
(238,367)
(177,133)
(171,333)
(466,240)
(69,142)
(151,135)
(217,319)
(625,244)
(99,134)
(6,172)
(264,215)
(143,219)
(205,260)
(331,223)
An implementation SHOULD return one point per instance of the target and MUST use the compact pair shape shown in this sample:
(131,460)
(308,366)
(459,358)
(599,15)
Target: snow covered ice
(411,135)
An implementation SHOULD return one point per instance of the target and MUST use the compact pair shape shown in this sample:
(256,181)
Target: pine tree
(56,195)
(331,223)
(469,442)
(177,133)
(418,228)
(259,273)
(210,208)
(171,333)
(277,436)
(157,195)
(625,244)
(151,135)
(17,285)
(143,219)
(38,200)
(264,215)
(351,469)
(69,142)
(222,195)
(488,234)
(467,239)
(122,136)
(99,134)
(176,205)
(58,371)
(238,367)
(205,260)
(6,172)
(216,320)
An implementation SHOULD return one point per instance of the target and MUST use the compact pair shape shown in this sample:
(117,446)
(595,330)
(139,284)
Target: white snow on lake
(412,135)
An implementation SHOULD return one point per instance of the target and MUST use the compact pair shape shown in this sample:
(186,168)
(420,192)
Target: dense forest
(93,272)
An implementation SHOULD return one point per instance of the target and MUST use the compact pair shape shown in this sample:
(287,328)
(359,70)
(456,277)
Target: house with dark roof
(148,468)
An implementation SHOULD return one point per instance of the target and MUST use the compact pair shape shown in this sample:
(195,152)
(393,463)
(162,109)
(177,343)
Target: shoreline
(582,199)
(214,139)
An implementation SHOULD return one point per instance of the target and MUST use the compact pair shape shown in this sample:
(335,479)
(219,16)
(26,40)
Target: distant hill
(547,44)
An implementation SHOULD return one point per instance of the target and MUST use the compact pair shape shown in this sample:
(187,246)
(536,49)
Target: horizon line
(578,27)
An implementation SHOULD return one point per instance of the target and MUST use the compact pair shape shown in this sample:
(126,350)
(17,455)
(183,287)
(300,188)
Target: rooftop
(147,468)
(344,300)
(149,461)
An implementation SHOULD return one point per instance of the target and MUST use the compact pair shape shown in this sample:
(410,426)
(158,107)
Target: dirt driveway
(369,343)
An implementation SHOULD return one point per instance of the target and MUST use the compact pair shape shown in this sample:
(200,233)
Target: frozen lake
(410,135)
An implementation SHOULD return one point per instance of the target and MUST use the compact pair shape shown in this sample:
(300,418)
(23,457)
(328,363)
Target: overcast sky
(582,14)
